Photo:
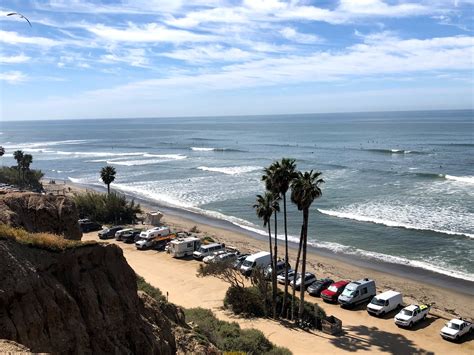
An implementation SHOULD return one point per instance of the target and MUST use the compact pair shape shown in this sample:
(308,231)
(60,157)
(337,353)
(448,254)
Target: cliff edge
(85,300)
(40,213)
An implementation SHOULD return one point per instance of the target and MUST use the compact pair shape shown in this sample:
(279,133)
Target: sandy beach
(362,332)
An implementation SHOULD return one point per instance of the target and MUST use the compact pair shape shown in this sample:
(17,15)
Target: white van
(182,247)
(206,250)
(385,303)
(357,292)
(261,259)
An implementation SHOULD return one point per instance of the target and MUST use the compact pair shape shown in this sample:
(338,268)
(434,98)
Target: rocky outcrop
(41,213)
(85,300)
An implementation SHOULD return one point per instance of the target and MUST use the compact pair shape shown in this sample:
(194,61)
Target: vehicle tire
(410,325)
(382,314)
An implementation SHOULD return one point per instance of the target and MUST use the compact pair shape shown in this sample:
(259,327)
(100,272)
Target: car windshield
(332,288)
(348,292)
(247,263)
(202,250)
(453,326)
(377,301)
(406,312)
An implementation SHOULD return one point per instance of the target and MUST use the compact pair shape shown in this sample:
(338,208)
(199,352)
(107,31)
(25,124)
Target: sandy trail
(363,333)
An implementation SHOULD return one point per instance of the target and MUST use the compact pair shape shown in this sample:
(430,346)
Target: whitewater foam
(199,149)
(466,179)
(233,170)
(391,223)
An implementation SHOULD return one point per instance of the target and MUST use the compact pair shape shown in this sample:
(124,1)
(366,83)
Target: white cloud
(15,59)
(150,32)
(211,53)
(13,77)
(14,38)
(305,38)
(136,57)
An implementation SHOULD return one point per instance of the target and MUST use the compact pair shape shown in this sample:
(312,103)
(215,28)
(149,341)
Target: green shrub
(29,179)
(251,302)
(152,291)
(108,209)
(207,240)
(247,301)
(229,336)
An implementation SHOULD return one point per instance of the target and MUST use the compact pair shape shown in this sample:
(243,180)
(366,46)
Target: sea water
(399,187)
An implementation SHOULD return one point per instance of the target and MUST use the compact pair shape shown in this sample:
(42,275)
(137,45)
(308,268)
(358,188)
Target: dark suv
(87,225)
(109,232)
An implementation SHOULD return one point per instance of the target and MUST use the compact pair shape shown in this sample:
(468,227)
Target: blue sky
(145,58)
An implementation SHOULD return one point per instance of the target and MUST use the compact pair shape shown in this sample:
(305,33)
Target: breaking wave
(394,151)
(233,170)
(204,149)
(391,223)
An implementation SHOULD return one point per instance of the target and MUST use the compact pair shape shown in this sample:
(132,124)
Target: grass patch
(46,241)
(229,337)
(152,291)
(207,240)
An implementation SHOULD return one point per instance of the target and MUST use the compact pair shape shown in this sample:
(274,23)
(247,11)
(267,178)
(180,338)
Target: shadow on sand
(363,338)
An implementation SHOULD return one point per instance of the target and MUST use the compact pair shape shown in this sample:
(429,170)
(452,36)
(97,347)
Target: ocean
(399,186)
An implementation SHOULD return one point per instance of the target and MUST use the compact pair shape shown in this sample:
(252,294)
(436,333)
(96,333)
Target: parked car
(87,226)
(118,234)
(108,233)
(258,260)
(332,292)
(280,269)
(206,250)
(455,329)
(238,262)
(357,292)
(130,237)
(291,274)
(309,278)
(318,286)
(411,315)
(226,257)
(210,258)
(384,303)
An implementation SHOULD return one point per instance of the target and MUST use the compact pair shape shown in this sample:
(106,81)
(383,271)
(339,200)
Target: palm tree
(107,174)
(25,163)
(284,176)
(304,190)
(270,178)
(18,155)
(2,151)
(265,206)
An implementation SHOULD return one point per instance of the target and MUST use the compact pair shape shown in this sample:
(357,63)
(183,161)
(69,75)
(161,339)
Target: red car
(332,292)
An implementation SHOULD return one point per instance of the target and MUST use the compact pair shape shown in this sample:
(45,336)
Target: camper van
(261,259)
(181,247)
(357,292)
(206,250)
(148,238)
(385,303)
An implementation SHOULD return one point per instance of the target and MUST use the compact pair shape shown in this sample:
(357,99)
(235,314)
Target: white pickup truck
(412,314)
(455,329)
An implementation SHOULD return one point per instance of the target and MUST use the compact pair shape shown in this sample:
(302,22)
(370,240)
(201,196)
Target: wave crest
(232,170)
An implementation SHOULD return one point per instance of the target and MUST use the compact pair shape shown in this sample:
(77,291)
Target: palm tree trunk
(271,253)
(285,295)
(294,277)
(108,189)
(274,280)
(303,265)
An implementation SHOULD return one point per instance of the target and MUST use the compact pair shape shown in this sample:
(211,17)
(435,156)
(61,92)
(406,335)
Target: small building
(153,218)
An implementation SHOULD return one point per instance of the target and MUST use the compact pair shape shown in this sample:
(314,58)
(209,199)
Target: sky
(165,58)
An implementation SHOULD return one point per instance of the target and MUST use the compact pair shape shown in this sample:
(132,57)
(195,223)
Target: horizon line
(238,115)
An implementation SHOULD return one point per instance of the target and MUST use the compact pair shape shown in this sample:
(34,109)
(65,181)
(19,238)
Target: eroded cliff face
(85,300)
(41,213)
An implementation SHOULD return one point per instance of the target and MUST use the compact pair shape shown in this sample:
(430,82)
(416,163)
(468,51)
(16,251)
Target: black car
(87,225)
(129,237)
(318,286)
(109,232)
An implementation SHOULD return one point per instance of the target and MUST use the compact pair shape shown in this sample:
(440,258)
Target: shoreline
(452,296)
